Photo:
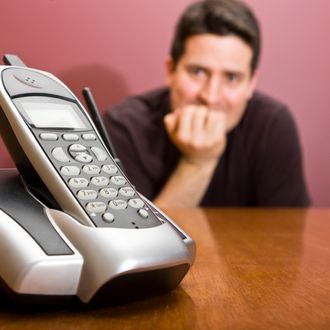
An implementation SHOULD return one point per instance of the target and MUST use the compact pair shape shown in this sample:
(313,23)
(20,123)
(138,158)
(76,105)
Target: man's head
(218,17)
(214,58)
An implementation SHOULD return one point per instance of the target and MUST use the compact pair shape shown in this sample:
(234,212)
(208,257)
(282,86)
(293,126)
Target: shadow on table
(149,312)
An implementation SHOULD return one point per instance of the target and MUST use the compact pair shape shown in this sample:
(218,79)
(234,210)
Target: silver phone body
(136,245)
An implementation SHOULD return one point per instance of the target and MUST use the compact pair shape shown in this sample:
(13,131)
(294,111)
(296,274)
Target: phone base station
(46,255)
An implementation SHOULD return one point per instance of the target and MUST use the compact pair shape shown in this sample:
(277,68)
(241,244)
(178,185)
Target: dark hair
(220,17)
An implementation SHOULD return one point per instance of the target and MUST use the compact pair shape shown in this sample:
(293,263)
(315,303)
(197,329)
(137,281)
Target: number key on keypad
(87,194)
(96,207)
(78,182)
(118,204)
(110,169)
(70,170)
(137,203)
(108,192)
(91,169)
(127,191)
(118,180)
(100,181)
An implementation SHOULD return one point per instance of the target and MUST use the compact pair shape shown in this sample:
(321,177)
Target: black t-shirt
(261,166)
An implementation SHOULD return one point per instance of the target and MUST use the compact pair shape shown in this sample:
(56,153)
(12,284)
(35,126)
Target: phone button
(143,213)
(108,217)
(87,194)
(137,203)
(118,180)
(83,158)
(70,137)
(78,182)
(77,148)
(108,192)
(118,204)
(70,170)
(89,137)
(91,169)
(110,169)
(96,207)
(59,154)
(127,191)
(100,181)
(48,136)
(99,154)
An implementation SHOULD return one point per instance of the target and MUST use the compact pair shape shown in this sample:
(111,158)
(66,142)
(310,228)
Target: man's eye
(233,77)
(197,72)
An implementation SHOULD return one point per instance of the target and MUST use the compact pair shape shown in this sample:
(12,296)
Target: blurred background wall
(118,47)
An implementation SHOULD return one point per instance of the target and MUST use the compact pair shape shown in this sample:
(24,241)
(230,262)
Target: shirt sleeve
(278,169)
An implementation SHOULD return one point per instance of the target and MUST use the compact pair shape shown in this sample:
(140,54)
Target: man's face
(214,71)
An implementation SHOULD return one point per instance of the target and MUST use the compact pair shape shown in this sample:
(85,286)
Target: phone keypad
(97,182)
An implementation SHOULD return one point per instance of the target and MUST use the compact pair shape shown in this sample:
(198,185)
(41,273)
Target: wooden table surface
(255,269)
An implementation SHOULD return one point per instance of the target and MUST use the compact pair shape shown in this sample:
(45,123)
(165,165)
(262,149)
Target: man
(209,139)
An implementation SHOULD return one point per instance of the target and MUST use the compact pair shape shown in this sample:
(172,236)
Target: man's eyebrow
(198,66)
(234,72)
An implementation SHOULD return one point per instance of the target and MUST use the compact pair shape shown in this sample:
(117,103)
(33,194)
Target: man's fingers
(185,117)
(198,127)
(170,121)
(197,131)
(215,125)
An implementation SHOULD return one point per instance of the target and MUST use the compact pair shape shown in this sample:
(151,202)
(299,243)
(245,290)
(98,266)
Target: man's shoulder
(146,105)
(263,109)
(263,103)
(265,118)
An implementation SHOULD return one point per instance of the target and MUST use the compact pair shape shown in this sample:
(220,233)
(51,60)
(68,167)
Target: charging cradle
(47,255)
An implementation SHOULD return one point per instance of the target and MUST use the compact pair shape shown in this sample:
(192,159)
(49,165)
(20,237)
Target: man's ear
(169,69)
(253,83)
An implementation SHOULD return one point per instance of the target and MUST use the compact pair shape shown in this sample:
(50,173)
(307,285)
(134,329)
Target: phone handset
(55,144)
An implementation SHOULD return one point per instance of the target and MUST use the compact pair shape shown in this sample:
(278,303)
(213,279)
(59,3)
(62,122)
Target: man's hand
(199,133)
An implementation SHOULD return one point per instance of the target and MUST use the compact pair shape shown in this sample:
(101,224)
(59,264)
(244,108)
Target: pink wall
(118,47)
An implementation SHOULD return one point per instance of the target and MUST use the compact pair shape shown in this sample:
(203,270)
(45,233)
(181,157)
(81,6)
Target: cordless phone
(49,134)
(88,231)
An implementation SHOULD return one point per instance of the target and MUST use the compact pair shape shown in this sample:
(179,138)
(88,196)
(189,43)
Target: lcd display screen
(52,115)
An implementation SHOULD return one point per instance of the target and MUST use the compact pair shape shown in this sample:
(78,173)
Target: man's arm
(200,135)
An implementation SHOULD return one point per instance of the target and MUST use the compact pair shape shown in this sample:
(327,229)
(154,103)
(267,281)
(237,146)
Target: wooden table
(255,269)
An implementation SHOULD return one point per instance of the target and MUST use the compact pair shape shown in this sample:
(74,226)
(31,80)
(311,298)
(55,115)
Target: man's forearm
(187,184)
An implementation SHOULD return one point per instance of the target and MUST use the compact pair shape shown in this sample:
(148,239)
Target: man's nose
(211,93)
